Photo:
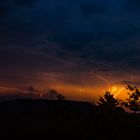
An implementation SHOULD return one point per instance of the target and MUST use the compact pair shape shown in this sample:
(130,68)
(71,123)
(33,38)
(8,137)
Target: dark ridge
(28,118)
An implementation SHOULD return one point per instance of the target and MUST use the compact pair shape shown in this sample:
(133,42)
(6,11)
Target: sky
(76,47)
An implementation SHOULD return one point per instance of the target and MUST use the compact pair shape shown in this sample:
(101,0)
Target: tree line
(108,102)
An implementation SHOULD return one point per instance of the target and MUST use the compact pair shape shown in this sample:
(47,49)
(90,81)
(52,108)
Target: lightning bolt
(114,88)
(119,92)
(103,79)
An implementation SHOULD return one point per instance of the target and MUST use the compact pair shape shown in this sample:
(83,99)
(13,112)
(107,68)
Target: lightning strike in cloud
(103,79)
(119,92)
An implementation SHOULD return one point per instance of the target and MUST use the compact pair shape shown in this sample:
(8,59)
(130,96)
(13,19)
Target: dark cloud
(130,83)
(68,37)
(24,2)
(89,10)
(134,4)
(7,7)
(4,11)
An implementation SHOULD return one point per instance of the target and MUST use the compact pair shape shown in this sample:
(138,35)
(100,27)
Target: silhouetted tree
(133,101)
(52,94)
(108,102)
(60,97)
(55,95)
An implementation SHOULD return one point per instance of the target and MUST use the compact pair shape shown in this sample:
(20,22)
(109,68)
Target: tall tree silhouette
(108,103)
(133,100)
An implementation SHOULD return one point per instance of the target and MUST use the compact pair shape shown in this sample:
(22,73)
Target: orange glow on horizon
(71,92)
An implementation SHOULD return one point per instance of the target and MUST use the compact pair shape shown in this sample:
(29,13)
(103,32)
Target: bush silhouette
(133,101)
(53,94)
(60,97)
(108,103)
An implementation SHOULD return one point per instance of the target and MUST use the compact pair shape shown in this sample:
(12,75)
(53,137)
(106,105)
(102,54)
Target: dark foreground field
(43,119)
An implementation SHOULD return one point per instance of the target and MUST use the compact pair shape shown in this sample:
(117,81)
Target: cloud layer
(68,42)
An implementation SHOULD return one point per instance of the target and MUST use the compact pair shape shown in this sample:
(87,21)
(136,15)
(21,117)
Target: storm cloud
(63,39)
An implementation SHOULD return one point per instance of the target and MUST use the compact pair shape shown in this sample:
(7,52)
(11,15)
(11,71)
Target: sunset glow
(81,52)
(70,69)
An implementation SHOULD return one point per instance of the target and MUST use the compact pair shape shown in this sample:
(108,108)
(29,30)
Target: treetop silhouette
(108,102)
(133,100)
